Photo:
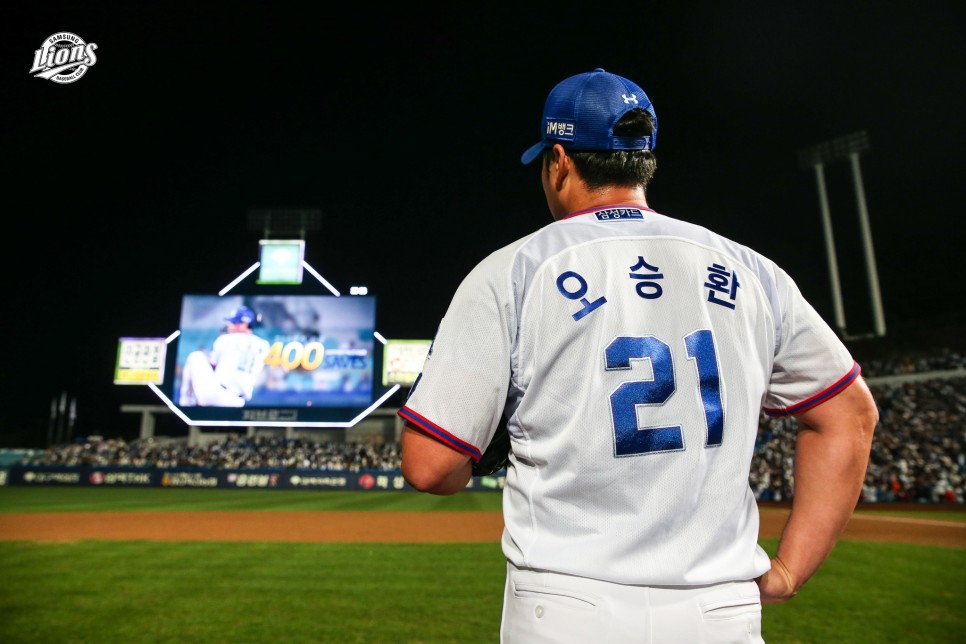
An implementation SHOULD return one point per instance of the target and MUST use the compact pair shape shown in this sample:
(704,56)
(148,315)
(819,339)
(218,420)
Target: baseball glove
(496,455)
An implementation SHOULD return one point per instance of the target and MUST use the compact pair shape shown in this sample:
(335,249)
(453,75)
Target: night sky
(404,127)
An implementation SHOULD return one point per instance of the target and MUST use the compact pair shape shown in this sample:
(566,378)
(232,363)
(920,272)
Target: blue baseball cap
(581,111)
(242,314)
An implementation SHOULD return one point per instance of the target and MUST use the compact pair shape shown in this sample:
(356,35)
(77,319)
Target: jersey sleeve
(460,395)
(811,363)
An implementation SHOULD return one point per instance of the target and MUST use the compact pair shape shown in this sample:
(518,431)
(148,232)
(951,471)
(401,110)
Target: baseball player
(226,377)
(631,355)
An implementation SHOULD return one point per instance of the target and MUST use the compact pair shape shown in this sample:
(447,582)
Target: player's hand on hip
(777,584)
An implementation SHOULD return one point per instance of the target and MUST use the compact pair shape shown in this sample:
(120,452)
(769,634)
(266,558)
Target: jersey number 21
(631,440)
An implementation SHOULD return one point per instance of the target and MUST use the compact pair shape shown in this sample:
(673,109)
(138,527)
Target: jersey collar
(607,207)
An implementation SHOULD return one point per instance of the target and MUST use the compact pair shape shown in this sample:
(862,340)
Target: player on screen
(226,376)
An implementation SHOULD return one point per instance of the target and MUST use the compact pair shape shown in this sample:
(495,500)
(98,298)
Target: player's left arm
(831,458)
(429,465)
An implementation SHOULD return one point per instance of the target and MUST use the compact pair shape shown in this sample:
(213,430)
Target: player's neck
(610,196)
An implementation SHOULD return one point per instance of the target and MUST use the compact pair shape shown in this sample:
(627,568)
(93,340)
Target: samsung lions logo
(63,58)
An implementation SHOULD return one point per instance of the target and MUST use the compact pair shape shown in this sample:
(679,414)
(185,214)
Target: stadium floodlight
(287,222)
(815,157)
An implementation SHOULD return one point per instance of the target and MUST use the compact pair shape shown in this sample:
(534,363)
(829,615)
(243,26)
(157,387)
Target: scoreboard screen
(140,361)
(315,360)
(403,361)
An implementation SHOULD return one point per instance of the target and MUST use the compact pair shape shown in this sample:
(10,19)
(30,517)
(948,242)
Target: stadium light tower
(815,157)
(283,222)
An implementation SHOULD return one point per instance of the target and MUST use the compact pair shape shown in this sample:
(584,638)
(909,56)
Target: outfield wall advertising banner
(87,476)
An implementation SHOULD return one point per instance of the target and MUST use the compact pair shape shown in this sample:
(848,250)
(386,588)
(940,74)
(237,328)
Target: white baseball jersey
(239,358)
(226,377)
(632,354)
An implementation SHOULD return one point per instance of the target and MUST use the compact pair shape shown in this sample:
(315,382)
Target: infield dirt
(384,527)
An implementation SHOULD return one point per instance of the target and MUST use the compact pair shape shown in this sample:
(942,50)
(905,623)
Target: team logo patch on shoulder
(619,214)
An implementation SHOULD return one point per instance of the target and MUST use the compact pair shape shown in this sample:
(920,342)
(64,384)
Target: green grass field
(142,591)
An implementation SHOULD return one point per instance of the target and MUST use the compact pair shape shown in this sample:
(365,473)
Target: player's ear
(560,167)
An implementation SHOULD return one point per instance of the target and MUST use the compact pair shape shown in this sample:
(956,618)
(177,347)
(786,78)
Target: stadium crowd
(917,453)
(913,362)
(258,452)
(918,449)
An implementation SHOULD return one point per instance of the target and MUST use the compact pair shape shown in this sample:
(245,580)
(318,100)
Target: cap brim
(532,153)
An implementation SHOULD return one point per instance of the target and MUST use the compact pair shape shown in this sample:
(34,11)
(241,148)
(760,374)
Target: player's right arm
(831,457)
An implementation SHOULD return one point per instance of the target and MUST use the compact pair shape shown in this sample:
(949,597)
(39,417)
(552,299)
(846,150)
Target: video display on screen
(275,352)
